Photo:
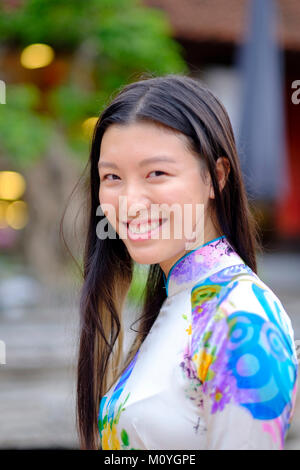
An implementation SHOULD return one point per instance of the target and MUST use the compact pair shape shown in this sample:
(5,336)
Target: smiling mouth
(144,228)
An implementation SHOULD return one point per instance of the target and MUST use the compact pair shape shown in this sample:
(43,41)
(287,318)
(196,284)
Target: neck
(166,265)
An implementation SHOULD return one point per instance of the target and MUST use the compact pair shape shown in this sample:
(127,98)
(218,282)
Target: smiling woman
(176,186)
(215,348)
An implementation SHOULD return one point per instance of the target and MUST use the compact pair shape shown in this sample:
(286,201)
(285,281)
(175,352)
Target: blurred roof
(224,21)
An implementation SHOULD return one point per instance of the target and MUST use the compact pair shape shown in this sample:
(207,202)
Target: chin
(146,256)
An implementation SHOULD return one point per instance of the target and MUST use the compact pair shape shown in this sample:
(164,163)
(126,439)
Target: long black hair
(185,105)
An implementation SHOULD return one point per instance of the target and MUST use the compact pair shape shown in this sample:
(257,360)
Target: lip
(141,222)
(147,235)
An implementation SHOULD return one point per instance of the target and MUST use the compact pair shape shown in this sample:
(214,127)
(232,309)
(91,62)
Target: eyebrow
(144,162)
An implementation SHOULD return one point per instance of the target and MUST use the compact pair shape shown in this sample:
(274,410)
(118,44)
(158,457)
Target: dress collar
(200,263)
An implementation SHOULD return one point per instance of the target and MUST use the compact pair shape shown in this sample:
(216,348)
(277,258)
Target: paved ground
(37,383)
(37,386)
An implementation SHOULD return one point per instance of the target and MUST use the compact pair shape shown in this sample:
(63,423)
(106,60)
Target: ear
(222,172)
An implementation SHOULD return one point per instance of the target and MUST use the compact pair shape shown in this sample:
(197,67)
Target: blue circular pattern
(261,363)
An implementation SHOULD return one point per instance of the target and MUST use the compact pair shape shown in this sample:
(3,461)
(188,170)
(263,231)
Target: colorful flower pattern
(107,423)
(241,358)
(232,358)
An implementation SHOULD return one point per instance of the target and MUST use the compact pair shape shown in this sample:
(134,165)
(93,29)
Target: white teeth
(143,228)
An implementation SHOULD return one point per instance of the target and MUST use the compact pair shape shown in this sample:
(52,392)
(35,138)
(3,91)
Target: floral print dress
(218,369)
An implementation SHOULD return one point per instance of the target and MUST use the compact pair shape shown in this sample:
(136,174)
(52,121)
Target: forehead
(142,138)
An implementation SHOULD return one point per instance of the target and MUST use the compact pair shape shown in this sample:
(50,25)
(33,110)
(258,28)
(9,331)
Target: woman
(213,365)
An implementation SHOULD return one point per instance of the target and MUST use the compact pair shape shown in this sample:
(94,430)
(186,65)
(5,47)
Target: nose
(134,201)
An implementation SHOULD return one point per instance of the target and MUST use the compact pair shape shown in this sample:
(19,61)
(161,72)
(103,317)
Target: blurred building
(210,32)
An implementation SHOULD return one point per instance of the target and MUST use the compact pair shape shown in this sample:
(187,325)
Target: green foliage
(137,42)
(125,39)
(24,97)
(24,134)
(69,103)
(60,23)
(124,30)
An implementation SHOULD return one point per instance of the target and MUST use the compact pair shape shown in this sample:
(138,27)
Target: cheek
(108,197)
(187,197)
(109,205)
(183,194)
(188,189)
(190,201)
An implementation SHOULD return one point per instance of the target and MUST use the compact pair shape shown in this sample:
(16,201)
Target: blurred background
(60,63)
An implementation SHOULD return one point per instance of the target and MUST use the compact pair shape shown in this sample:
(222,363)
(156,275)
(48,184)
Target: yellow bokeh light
(36,56)
(12,185)
(88,126)
(17,215)
(3,207)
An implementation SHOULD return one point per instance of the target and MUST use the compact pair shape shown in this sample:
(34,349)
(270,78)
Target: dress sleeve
(244,357)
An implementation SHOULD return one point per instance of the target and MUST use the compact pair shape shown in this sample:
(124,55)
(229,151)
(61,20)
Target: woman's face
(133,187)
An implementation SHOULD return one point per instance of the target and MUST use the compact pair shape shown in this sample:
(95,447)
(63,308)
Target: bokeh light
(3,207)
(88,126)
(12,185)
(17,215)
(36,56)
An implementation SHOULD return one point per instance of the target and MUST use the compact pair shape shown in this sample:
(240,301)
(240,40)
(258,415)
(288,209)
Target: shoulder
(242,345)
(245,294)
(250,297)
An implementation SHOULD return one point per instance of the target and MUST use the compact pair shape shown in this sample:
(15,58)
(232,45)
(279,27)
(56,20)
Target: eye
(109,174)
(158,171)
